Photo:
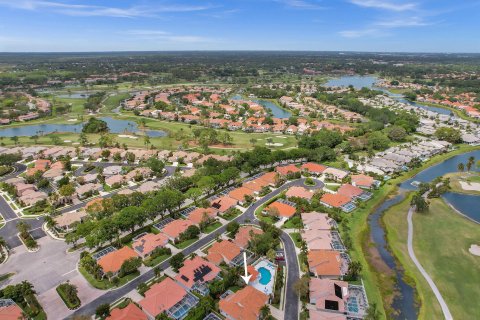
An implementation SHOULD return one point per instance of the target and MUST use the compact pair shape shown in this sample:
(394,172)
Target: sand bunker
(72,120)
(127,136)
(276,144)
(472,186)
(474,249)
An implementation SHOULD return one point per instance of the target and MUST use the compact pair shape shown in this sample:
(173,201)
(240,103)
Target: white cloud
(301,4)
(403,23)
(95,10)
(362,33)
(385,5)
(160,35)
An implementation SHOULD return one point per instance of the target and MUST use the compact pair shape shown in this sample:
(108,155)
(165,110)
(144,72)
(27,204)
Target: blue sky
(137,25)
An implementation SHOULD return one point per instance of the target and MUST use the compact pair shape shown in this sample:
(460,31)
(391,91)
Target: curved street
(293,273)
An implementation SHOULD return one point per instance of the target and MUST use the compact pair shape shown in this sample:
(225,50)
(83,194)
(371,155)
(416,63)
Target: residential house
(362,181)
(199,214)
(325,264)
(318,239)
(335,174)
(148,186)
(317,221)
(338,201)
(244,235)
(325,315)
(245,304)
(222,204)
(223,251)
(240,194)
(174,229)
(288,169)
(353,192)
(66,221)
(9,310)
(313,168)
(113,261)
(328,294)
(147,243)
(299,192)
(284,210)
(256,185)
(115,180)
(271,178)
(130,312)
(196,273)
(167,297)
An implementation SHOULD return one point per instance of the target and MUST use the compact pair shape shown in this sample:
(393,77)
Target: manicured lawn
(441,242)
(294,222)
(395,220)
(297,238)
(70,304)
(212,227)
(230,216)
(186,243)
(266,218)
(153,262)
(104,284)
(332,187)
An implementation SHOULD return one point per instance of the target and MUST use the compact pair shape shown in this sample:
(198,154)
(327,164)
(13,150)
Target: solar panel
(103,252)
(201,272)
(338,291)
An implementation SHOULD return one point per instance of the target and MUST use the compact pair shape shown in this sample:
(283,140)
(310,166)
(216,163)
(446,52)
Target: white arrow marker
(247,276)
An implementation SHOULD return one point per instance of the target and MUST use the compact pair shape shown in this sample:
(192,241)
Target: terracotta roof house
(243,235)
(337,201)
(284,210)
(350,191)
(335,174)
(325,315)
(317,221)
(175,228)
(145,245)
(197,215)
(245,304)
(224,203)
(284,170)
(223,251)
(196,272)
(325,264)
(256,185)
(362,181)
(112,262)
(318,239)
(10,311)
(130,312)
(164,296)
(270,177)
(313,168)
(299,192)
(148,186)
(240,193)
(115,179)
(86,189)
(328,294)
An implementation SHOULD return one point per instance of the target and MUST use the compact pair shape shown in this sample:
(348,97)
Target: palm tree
(470,163)
(461,167)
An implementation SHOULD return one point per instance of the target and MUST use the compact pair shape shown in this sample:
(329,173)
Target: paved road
(291,305)
(9,231)
(411,253)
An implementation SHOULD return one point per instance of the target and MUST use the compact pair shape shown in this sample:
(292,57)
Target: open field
(441,241)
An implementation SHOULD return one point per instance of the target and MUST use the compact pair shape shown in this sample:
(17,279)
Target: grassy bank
(441,241)
(377,281)
(456,178)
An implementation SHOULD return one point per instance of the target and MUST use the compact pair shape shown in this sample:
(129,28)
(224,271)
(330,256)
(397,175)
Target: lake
(276,110)
(115,125)
(359,82)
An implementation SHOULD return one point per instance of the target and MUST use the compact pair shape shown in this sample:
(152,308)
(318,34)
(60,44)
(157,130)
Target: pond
(277,111)
(359,82)
(115,125)
(468,205)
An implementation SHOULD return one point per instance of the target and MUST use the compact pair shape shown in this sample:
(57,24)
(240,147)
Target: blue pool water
(265,276)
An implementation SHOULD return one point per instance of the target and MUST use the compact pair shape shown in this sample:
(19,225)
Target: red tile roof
(11,312)
(240,193)
(324,262)
(223,251)
(284,170)
(196,270)
(149,242)
(176,227)
(269,177)
(112,262)
(130,312)
(335,200)
(284,210)
(299,192)
(243,235)
(197,215)
(313,167)
(361,180)
(245,304)
(224,203)
(349,191)
(162,296)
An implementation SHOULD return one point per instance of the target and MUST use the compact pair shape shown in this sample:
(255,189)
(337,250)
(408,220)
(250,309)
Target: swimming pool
(265,276)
